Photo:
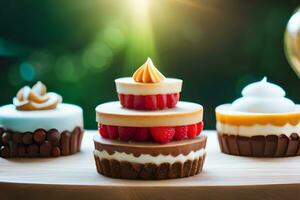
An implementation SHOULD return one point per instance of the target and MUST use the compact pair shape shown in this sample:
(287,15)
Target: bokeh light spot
(114,37)
(98,55)
(27,71)
(64,69)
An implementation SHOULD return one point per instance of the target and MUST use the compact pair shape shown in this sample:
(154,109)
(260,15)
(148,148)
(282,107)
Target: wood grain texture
(223,176)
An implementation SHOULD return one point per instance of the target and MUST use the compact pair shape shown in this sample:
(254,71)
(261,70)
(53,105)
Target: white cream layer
(146,158)
(257,129)
(64,118)
(263,97)
(167,86)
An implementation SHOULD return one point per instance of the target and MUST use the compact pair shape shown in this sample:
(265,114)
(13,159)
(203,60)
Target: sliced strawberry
(121,99)
(112,132)
(200,126)
(181,132)
(150,102)
(163,134)
(192,132)
(177,96)
(126,133)
(171,100)
(103,131)
(142,135)
(139,102)
(128,101)
(161,101)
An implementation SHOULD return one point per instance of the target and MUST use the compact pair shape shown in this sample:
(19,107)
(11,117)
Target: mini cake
(148,89)
(149,144)
(149,160)
(37,124)
(262,123)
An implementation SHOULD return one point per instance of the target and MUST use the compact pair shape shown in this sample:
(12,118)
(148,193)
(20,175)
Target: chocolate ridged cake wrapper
(260,146)
(40,143)
(149,171)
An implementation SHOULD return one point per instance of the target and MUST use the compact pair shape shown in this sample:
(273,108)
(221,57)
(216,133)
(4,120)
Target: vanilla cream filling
(127,85)
(146,158)
(255,130)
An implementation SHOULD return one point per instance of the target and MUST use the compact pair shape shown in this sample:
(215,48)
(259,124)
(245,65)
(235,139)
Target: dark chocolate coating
(46,149)
(137,148)
(260,146)
(27,138)
(1,133)
(5,153)
(6,137)
(74,142)
(80,136)
(39,136)
(148,171)
(17,137)
(65,143)
(13,149)
(41,143)
(33,150)
(53,136)
(21,151)
(55,152)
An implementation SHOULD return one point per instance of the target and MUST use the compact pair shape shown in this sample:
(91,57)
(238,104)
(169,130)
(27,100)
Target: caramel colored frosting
(36,98)
(148,73)
(225,115)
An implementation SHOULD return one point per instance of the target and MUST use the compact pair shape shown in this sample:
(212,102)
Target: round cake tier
(128,86)
(149,161)
(114,114)
(65,117)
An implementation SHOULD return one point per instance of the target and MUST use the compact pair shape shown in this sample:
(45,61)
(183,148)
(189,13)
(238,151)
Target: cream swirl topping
(263,97)
(148,73)
(36,98)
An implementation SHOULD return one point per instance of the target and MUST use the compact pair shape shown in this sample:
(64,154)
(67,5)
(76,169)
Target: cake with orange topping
(148,89)
(38,124)
(149,139)
(262,123)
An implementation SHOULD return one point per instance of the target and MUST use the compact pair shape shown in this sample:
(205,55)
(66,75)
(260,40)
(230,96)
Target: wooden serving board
(223,177)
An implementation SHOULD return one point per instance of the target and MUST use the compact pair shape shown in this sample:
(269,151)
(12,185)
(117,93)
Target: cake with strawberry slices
(149,138)
(262,123)
(148,89)
(38,124)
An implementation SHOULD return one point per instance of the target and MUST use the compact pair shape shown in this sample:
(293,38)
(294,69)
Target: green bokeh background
(77,48)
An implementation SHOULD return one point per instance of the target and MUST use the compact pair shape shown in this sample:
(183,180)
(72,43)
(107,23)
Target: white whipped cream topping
(255,130)
(64,118)
(263,97)
(146,158)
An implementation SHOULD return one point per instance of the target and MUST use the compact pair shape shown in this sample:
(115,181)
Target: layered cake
(149,142)
(148,89)
(38,124)
(262,123)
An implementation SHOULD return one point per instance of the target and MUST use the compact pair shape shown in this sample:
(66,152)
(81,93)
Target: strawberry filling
(162,134)
(149,102)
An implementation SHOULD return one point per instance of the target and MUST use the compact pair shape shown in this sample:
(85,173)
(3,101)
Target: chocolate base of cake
(148,171)
(40,143)
(260,146)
